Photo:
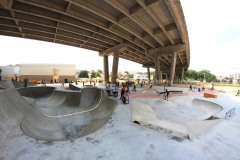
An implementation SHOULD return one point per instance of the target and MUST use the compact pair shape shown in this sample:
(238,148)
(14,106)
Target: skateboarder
(166,95)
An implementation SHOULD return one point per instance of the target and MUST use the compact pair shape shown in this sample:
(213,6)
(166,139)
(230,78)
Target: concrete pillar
(161,75)
(105,69)
(148,72)
(182,75)
(166,80)
(115,67)
(157,69)
(173,66)
(154,77)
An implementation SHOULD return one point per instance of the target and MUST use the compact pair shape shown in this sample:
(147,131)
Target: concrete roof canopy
(136,28)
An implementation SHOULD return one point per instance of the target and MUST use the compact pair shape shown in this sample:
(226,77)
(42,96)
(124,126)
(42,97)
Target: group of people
(114,89)
(199,89)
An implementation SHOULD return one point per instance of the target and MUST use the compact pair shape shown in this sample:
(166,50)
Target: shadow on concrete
(47,113)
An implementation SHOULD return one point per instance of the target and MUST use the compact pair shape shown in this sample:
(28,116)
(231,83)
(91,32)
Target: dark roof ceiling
(137,28)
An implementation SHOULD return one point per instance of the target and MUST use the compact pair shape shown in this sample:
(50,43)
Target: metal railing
(230,112)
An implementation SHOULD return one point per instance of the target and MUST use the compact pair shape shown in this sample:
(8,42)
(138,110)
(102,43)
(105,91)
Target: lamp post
(89,76)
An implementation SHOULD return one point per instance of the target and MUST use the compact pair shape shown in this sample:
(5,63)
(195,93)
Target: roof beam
(90,6)
(84,19)
(131,14)
(180,58)
(170,27)
(150,2)
(175,8)
(6,4)
(168,49)
(146,6)
(109,51)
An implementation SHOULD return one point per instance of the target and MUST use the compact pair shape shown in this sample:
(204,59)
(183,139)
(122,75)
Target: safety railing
(230,112)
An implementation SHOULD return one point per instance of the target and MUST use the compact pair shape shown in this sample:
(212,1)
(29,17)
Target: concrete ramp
(148,115)
(49,114)
(208,107)
(144,115)
(6,85)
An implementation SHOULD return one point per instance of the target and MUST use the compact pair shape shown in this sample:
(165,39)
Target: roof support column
(115,67)
(161,79)
(182,75)
(166,79)
(173,67)
(148,72)
(157,69)
(105,69)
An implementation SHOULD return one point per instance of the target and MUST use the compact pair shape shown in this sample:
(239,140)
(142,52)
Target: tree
(200,76)
(130,75)
(83,74)
(191,74)
(97,73)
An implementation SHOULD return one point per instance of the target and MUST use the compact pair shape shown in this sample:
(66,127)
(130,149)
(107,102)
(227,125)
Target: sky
(213,30)
(214,34)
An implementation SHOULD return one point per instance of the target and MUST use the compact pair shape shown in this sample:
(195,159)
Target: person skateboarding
(166,95)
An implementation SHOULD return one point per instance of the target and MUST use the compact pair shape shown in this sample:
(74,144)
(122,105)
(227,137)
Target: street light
(89,76)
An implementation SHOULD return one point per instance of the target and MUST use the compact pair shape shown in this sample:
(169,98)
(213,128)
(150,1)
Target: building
(141,76)
(49,72)
(10,72)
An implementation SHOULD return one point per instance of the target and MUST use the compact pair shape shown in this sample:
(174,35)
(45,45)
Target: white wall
(10,71)
(47,69)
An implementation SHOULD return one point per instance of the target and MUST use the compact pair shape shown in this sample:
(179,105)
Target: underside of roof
(137,29)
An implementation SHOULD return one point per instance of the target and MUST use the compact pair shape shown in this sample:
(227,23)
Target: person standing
(238,93)
(166,95)
(190,88)
(151,84)
(115,92)
(134,87)
(123,90)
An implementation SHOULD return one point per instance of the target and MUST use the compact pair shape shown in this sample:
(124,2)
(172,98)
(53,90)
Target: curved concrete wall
(60,124)
(208,107)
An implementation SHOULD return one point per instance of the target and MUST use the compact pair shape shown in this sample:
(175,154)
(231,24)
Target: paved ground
(121,139)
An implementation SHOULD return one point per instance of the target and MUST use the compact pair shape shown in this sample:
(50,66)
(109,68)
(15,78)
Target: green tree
(93,74)
(200,76)
(97,73)
(83,74)
(191,74)
(130,75)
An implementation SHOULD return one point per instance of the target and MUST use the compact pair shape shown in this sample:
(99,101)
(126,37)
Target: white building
(10,72)
(141,76)
(48,72)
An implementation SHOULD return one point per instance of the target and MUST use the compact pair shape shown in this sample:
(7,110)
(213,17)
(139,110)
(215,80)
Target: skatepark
(58,123)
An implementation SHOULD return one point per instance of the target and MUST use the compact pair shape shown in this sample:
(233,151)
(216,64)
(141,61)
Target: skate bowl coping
(47,113)
(205,116)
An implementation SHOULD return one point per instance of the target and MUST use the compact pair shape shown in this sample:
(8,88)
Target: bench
(169,92)
(209,95)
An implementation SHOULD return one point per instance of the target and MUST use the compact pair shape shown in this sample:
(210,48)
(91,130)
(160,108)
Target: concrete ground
(121,139)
